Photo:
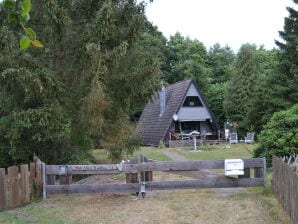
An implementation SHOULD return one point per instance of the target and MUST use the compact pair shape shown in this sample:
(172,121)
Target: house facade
(174,113)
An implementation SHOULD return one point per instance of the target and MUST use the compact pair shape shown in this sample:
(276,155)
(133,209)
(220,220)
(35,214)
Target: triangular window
(192,101)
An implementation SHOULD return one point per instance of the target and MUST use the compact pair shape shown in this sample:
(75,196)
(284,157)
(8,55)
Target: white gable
(192,91)
(193,113)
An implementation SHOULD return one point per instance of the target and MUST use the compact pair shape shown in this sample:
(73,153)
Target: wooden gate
(254,175)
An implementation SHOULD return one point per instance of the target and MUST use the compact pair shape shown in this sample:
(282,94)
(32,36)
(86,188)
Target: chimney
(162,100)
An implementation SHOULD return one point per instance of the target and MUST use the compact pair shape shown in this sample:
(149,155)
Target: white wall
(193,113)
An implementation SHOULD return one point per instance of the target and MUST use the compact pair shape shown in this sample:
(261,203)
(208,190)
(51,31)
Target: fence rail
(133,169)
(164,185)
(285,184)
(20,184)
(148,166)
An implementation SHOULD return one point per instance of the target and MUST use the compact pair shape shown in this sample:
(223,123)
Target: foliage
(247,98)
(215,97)
(287,85)
(161,144)
(18,14)
(186,58)
(280,135)
(100,64)
(112,71)
(221,63)
(263,105)
(32,119)
(241,87)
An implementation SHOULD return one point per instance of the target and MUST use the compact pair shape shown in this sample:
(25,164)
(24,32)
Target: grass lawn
(101,155)
(154,153)
(213,152)
(217,152)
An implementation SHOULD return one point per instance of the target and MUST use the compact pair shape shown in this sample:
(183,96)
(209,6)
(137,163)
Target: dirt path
(200,174)
(174,156)
(203,174)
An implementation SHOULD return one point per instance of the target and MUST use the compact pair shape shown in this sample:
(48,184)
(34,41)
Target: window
(192,101)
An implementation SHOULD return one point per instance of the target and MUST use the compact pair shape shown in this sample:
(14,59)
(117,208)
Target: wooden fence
(285,185)
(19,184)
(66,171)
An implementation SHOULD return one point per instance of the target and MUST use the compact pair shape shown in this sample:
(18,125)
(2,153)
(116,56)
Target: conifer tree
(105,56)
(241,87)
(286,82)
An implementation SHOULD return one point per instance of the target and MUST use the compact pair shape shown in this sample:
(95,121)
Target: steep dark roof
(151,127)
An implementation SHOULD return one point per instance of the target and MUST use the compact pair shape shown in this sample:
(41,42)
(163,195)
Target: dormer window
(192,101)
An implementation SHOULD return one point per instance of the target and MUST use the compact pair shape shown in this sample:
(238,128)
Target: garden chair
(249,139)
(233,138)
(175,136)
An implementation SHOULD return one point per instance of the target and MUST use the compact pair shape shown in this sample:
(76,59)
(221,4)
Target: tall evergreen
(241,87)
(221,65)
(285,83)
(32,119)
(262,109)
(101,51)
(105,58)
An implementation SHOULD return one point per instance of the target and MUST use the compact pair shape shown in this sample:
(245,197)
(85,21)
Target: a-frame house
(177,110)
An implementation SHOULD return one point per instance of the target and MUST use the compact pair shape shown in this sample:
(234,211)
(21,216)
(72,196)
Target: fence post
(2,188)
(44,194)
(39,179)
(32,180)
(13,186)
(265,172)
(25,186)
(147,175)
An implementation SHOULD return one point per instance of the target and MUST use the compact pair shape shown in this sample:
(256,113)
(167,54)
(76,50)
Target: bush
(280,135)
(161,144)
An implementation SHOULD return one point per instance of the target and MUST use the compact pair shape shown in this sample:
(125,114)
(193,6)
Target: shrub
(161,144)
(280,135)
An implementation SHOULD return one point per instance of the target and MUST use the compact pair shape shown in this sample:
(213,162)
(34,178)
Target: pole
(195,142)
(265,172)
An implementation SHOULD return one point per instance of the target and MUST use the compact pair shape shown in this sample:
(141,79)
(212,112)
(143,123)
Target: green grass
(213,152)
(32,213)
(154,153)
(100,156)
(218,152)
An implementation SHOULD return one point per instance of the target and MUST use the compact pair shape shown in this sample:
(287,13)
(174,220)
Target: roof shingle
(151,127)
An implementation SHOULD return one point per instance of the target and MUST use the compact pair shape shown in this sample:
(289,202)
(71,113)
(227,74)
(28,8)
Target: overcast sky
(228,22)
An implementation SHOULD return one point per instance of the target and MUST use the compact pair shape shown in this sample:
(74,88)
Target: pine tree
(240,89)
(105,55)
(286,82)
